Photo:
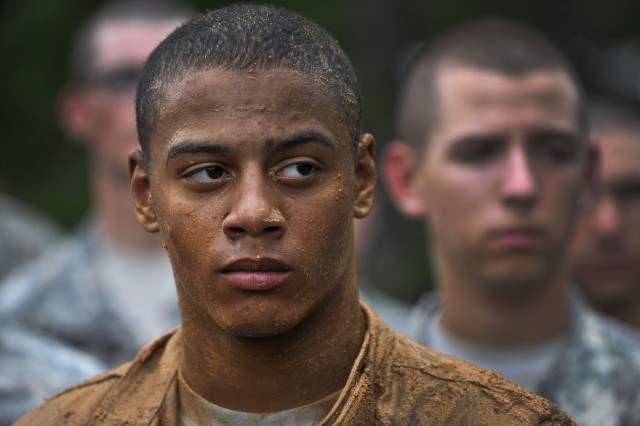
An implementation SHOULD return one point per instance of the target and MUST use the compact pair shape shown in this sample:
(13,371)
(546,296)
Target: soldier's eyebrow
(626,183)
(191,147)
(476,138)
(567,136)
(300,139)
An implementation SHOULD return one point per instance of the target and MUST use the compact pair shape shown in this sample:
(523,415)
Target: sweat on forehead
(247,37)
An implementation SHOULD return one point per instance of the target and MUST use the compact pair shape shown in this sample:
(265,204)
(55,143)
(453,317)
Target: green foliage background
(38,165)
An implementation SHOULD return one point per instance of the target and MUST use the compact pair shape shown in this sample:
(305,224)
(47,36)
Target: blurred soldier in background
(606,250)
(109,288)
(494,154)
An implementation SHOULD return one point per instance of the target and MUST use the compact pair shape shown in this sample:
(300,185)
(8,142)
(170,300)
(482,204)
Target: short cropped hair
(243,37)
(83,52)
(492,44)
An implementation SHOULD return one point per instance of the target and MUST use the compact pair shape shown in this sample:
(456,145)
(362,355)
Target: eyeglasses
(118,80)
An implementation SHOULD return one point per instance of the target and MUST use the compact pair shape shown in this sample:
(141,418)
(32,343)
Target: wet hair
(243,37)
(491,44)
(83,44)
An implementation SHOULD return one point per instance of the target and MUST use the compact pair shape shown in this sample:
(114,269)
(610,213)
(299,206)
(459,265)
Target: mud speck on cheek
(340,189)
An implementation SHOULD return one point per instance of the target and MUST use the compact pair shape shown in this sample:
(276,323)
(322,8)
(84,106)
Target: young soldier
(495,156)
(252,168)
(103,272)
(606,250)
(76,311)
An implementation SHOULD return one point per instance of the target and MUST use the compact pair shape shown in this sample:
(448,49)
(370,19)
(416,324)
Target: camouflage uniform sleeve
(78,405)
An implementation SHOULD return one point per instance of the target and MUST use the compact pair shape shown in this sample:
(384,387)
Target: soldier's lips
(519,237)
(256,274)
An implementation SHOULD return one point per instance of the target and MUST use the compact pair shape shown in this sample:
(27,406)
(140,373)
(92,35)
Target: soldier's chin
(610,294)
(259,331)
(516,286)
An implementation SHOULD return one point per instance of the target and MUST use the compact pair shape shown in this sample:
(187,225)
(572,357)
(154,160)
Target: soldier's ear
(365,176)
(74,114)
(140,185)
(400,169)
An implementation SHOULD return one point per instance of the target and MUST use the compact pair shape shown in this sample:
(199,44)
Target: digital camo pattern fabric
(595,377)
(63,295)
(33,368)
(25,233)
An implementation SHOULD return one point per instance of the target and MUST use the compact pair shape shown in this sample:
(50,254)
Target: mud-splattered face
(253,185)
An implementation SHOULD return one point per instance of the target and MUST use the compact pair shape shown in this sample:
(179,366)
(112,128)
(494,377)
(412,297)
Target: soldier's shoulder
(75,405)
(465,389)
